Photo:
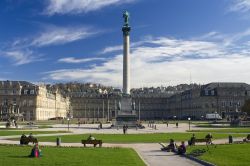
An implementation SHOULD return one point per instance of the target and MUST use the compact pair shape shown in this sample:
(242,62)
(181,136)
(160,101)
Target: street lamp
(189,119)
(68,123)
(215,115)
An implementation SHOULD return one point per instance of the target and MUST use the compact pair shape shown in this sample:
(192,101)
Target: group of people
(172,147)
(36,151)
(24,140)
(208,139)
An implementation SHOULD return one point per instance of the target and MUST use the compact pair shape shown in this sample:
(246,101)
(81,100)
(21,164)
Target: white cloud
(83,60)
(79,6)
(164,61)
(117,48)
(111,49)
(21,51)
(240,6)
(59,35)
(21,57)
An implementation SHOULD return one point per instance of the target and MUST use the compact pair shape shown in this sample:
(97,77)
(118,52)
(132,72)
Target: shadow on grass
(20,157)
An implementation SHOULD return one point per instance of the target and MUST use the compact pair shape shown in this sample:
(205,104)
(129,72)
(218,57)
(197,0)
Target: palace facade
(31,102)
(95,103)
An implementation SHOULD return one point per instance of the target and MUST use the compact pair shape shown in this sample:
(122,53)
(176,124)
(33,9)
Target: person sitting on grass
(91,138)
(35,151)
(22,139)
(247,139)
(31,136)
(182,148)
(171,147)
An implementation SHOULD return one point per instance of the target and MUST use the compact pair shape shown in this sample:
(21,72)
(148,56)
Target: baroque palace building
(31,102)
(221,98)
(93,102)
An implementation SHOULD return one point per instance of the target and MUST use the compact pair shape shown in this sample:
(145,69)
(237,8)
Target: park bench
(27,140)
(238,142)
(200,140)
(94,142)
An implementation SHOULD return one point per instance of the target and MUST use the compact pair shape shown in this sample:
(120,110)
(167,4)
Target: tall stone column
(126,54)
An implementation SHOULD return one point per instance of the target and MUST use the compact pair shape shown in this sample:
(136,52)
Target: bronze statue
(126,18)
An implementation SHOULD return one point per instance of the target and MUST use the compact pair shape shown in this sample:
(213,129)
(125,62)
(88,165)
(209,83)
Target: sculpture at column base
(126,113)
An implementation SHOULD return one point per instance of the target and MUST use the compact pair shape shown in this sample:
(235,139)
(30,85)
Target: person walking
(124,129)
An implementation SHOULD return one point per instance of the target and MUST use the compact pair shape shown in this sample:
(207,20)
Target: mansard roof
(10,84)
(226,85)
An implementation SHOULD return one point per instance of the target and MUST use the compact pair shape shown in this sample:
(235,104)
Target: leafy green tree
(246,107)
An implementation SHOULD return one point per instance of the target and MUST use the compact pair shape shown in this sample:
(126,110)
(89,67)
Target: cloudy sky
(172,41)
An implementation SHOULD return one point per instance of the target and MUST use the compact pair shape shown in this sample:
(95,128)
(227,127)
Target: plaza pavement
(93,128)
(149,152)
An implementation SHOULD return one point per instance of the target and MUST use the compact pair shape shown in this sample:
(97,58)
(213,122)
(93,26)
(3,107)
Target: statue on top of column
(126,18)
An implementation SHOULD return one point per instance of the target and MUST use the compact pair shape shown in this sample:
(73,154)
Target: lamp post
(215,115)
(68,123)
(189,119)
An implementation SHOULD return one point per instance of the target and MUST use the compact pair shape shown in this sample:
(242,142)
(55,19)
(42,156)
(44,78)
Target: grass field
(228,130)
(226,155)
(17,155)
(135,138)
(27,132)
(215,126)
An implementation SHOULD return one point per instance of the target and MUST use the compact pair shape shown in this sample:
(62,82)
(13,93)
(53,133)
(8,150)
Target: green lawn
(27,132)
(135,138)
(214,126)
(228,130)
(17,155)
(225,155)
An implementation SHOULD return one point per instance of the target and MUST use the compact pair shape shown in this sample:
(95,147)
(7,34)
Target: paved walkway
(93,128)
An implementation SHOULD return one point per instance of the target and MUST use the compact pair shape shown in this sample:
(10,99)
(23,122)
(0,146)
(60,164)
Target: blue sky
(172,41)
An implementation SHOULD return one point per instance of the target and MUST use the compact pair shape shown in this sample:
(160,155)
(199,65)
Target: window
(24,103)
(25,91)
(30,102)
(223,103)
(5,101)
(14,101)
(32,91)
(230,103)
(206,92)
(212,92)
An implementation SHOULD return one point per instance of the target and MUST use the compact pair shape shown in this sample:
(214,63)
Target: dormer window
(25,91)
(32,91)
